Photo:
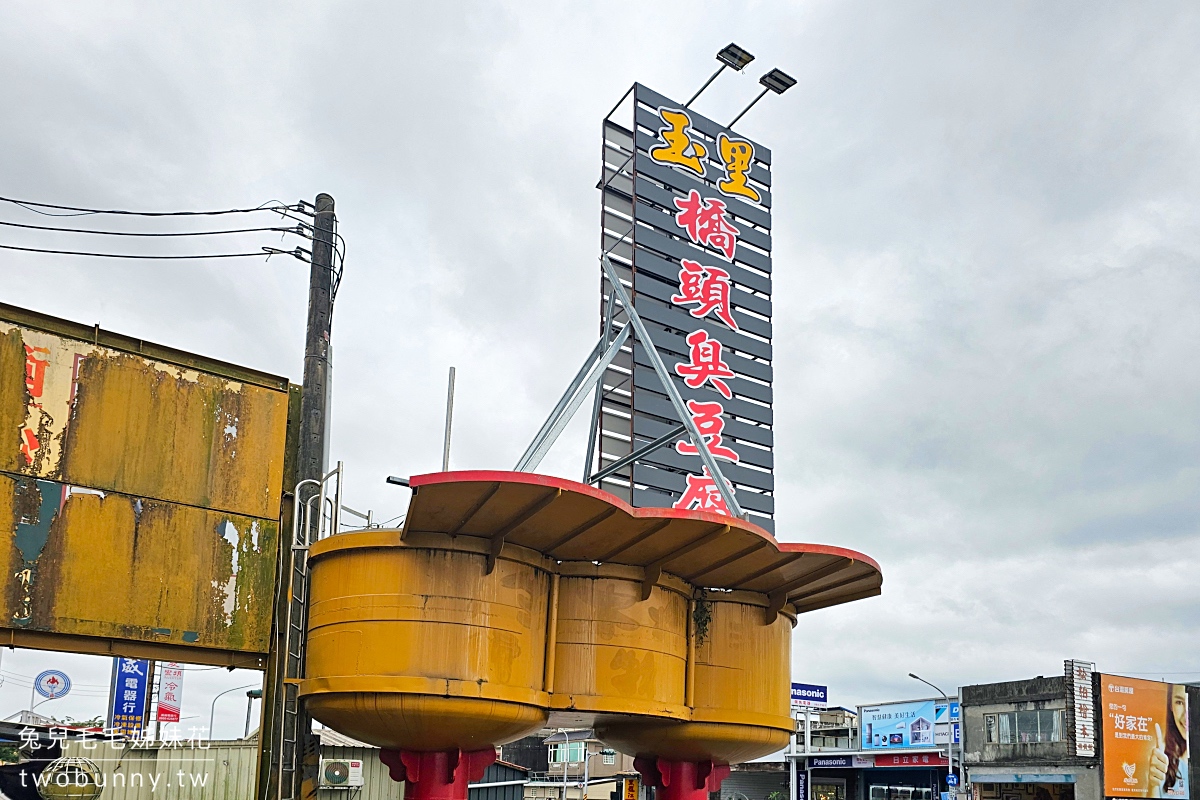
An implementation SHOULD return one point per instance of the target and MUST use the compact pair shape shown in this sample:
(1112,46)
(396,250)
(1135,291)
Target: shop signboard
(170,693)
(915,724)
(128,693)
(1144,725)
(1081,708)
(686,222)
(910,760)
(807,695)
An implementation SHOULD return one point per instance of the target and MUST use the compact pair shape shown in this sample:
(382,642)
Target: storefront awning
(1023,777)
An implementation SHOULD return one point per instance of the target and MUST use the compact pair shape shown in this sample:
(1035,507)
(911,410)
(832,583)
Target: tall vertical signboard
(686,221)
(129,694)
(1081,708)
(170,692)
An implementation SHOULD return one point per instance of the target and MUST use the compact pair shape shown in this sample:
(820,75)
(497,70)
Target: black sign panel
(686,221)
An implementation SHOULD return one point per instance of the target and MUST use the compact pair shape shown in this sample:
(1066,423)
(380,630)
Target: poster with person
(1145,729)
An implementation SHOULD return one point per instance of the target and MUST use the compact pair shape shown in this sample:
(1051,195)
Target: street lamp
(251,696)
(212,711)
(949,724)
(776,81)
(730,56)
(566,755)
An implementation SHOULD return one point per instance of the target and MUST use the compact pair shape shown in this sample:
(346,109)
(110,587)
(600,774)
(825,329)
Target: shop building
(1018,742)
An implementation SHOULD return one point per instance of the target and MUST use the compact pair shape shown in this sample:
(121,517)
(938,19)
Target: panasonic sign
(806,695)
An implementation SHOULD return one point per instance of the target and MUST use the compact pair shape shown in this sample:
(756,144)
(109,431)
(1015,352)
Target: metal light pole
(949,727)
(565,759)
(251,696)
(213,710)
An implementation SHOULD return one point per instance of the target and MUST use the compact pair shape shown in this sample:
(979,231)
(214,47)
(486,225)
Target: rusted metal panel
(143,494)
(131,568)
(104,419)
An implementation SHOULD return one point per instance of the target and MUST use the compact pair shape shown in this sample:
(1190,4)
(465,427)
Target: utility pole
(290,753)
(313,427)
(311,461)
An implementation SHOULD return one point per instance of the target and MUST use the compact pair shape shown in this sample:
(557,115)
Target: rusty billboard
(140,490)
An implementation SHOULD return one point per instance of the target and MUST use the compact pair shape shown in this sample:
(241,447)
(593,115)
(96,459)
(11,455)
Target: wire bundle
(301,213)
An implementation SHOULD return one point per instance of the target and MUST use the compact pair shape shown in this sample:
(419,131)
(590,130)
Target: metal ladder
(294,724)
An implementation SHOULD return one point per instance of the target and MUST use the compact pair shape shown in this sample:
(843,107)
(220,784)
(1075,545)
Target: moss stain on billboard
(143,495)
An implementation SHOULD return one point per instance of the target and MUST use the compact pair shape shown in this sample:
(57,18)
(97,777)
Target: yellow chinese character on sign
(736,155)
(679,147)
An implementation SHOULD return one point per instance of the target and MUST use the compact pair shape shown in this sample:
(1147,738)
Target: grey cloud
(986,268)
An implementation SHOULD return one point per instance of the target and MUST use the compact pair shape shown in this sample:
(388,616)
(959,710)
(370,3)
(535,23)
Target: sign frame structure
(129,696)
(686,224)
(1140,738)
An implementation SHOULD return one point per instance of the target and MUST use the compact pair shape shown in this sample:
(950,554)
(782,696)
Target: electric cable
(268,251)
(33,206)
(296,230)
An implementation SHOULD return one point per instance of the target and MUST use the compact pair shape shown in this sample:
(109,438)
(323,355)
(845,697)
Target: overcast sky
(986,256)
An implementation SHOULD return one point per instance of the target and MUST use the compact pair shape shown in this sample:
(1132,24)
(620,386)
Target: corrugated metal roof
(331,738)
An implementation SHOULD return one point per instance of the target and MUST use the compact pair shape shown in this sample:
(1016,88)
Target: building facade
(1017,746)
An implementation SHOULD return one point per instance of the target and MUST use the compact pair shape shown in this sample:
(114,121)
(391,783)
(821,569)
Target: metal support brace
(706,457)
(641,452)
(592,373)
(606,329)
(585,379)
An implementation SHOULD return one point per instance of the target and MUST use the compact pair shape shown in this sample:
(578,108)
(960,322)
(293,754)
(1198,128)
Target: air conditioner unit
(338,773)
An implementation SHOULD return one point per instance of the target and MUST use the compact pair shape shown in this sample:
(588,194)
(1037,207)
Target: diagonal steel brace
(706,457)
(591,372)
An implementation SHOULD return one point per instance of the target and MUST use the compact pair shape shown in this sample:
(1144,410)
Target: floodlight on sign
(733,56)
(730,56)
(777,81)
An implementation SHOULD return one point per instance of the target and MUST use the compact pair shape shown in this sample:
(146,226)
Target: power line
(33,206)
(267,251)
(297,230)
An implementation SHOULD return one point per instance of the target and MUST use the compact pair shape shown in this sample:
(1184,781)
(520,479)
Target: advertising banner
(1144,725)
(128,695)
(170,692)
(915,724)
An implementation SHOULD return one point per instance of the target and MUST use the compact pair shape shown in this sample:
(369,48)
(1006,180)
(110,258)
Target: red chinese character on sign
(706,223)
(702,494)
(707,417)
(29,443)
(705,364)
(36,359)
(707,286)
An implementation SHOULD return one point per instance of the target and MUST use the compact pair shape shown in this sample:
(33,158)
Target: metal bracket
(641,452)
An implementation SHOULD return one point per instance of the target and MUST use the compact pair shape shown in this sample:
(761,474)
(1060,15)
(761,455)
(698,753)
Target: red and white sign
(170,692)
(911,760)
